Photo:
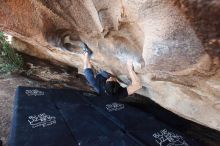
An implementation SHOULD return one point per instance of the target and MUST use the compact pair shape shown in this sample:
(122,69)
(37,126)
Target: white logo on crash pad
(114,107)
(41,120)
(34,92)
(166,138)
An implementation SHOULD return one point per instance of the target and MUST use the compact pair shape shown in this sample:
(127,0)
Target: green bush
(10,61)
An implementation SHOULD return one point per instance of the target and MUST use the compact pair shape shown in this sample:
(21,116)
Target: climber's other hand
(130,64)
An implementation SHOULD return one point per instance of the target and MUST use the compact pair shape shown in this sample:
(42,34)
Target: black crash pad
(66,117)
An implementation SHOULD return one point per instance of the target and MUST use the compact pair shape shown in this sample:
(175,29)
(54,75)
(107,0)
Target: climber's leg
(86,61)
(91,79)
(88,72)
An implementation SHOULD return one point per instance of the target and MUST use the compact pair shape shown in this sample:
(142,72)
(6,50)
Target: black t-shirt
(98,83)
(101,81)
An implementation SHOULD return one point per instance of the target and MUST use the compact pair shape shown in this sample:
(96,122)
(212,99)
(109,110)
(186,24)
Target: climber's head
(112,87)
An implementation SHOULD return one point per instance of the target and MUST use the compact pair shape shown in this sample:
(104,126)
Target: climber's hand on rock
(130,65)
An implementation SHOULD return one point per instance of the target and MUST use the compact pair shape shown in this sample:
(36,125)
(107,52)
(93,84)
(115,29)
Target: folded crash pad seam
(113,119)
(65,122)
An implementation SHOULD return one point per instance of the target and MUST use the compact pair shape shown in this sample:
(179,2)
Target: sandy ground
(7,89)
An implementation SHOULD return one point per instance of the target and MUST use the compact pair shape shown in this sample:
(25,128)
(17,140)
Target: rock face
(174,44)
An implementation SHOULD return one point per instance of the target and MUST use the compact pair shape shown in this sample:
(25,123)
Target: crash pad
(55,117)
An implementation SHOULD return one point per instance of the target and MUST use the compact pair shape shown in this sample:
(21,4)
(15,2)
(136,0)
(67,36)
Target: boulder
(174,45)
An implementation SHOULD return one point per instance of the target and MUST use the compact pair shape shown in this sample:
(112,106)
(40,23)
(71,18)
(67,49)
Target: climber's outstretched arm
(136,84)
(89,73)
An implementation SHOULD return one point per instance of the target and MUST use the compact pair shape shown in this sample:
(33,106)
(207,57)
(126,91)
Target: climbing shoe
(86,49)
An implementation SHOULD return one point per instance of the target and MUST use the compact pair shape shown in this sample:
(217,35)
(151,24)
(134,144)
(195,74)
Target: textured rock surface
(174,44)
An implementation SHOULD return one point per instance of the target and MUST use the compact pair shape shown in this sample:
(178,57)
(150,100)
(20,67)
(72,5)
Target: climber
(105,83)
